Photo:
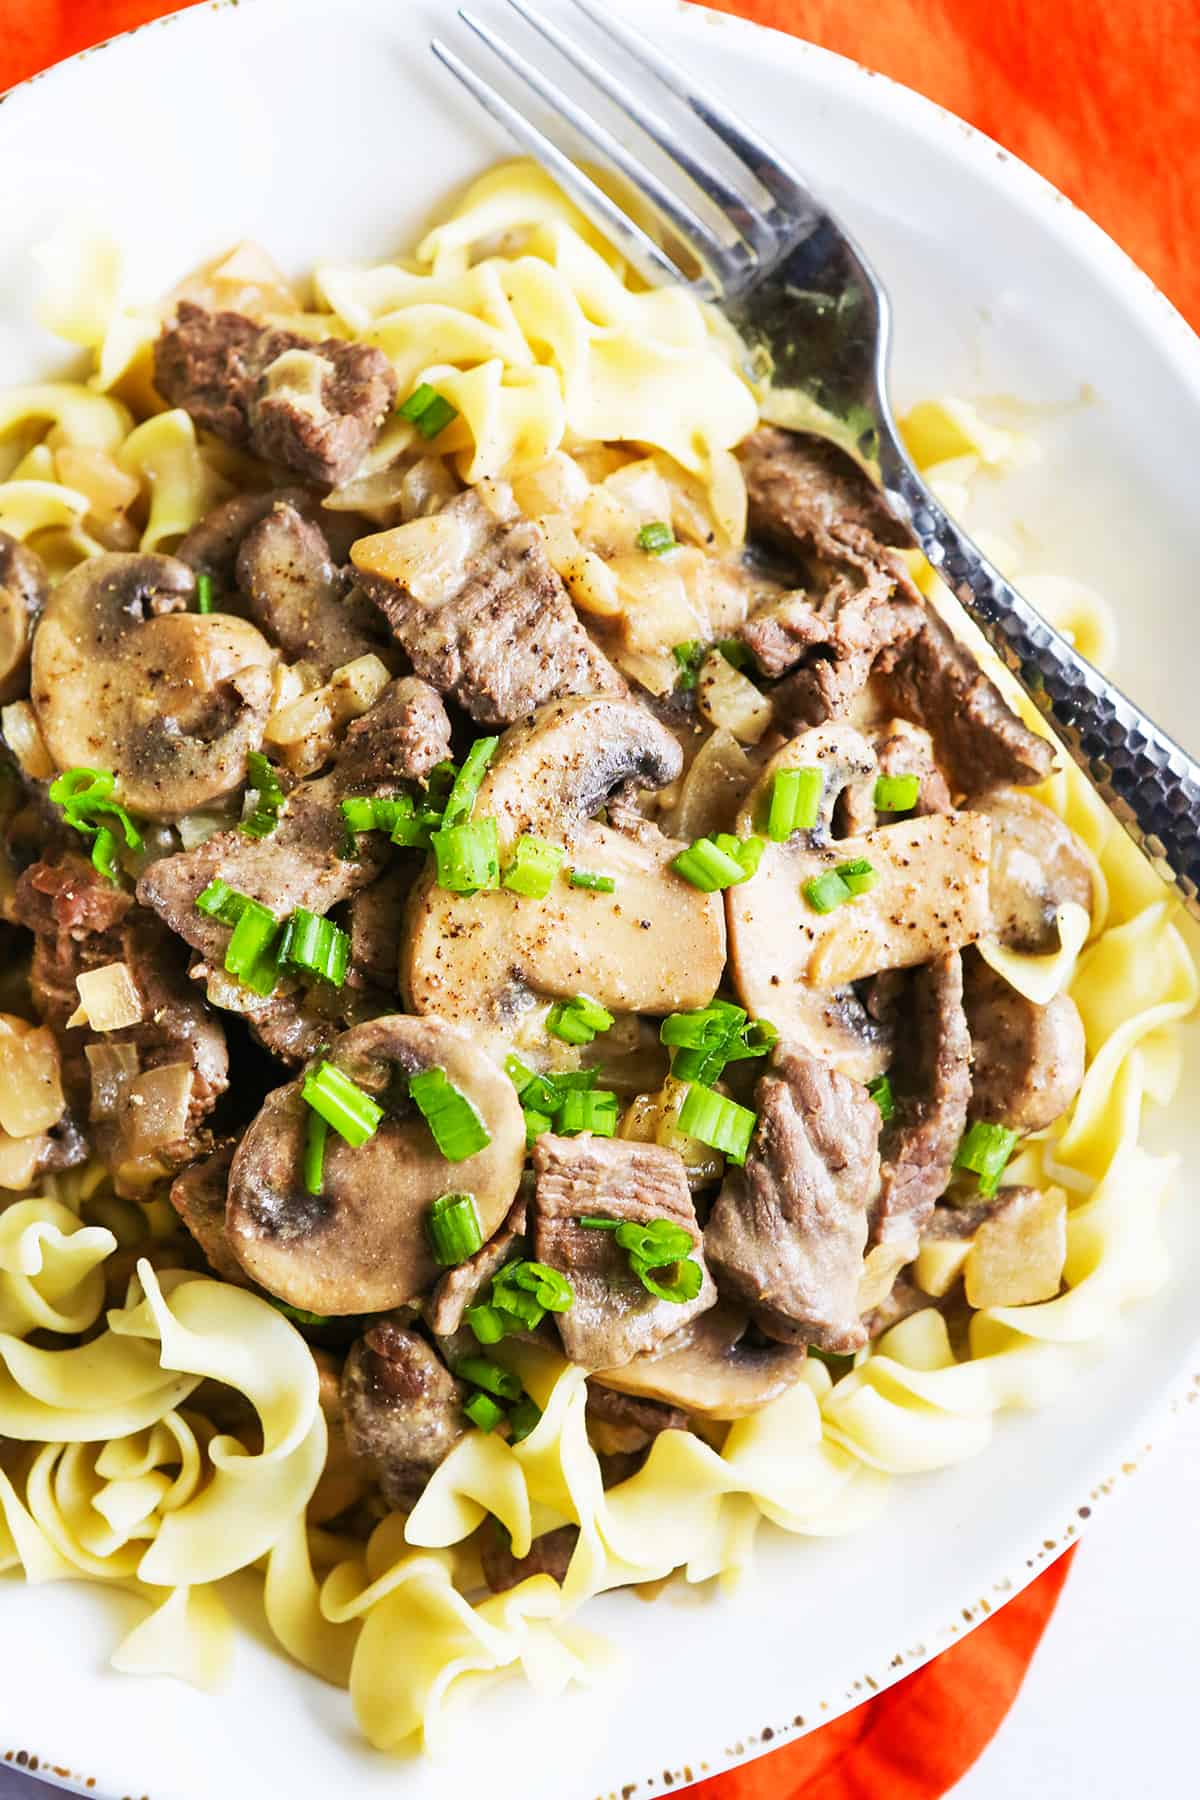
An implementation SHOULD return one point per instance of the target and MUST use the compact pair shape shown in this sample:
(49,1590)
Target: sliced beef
(979,738)
(211,547)
(613,1318)
(787,1233)
(302,600)
(402,1409)
(905,1299)
(852,623)
(300,864)
(461,1286)
(931,1085)
(549,1554)
(198,1196)
(623,1425)
(903,749)
(315,407)
(497,632)
(1028,1059)
(377,925)
(807,495)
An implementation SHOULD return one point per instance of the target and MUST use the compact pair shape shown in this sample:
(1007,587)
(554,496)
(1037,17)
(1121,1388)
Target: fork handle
(1148,781)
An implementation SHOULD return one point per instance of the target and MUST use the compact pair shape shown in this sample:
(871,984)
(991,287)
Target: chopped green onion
(596,884)
(342,1104)
(859,876)
(359,813)
(296,1314)
(439,781)
(482,1410)
(519,1073)
(711,1024)
(316,945)
(880,1091)
(656,539)
(658,1242)
(795,802)
(549,1287)
(985,1150)
(533,868)
(468,856)
(222,902)
(104,854)
(708,867)
(481,1372)
(686,1283)
(205,595)
(703,1042)
(262,778)
(689,655)
(454,1229)
(315,1134)
(825,892)
(577,1021)
(85,793)
(735,652)
(461,797)
(428,410)
(458,1131)
(487,1322)
(535,1124)
(252,954)
(897,793)
(583,1111)
(594,1224)
(716,1121)
(747,851)
(652,1248)
(523,1418)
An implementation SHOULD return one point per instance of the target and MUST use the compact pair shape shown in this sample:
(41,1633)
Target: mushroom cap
(1037,865)
(707,1368)
(23,589)
(654,945)
(169,701)
(360,1245)
(794,965)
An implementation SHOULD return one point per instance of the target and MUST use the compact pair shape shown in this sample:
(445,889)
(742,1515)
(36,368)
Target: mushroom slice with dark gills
(23,590)
(654,945)
(711,1367)
(1038,864)
(170,702)
(401,1410)
(795,965)
(360,1245)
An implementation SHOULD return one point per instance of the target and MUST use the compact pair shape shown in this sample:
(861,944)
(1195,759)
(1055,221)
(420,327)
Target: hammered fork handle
(1149,782)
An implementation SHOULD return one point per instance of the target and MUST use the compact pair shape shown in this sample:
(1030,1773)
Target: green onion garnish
(468,856)
(533,868)
(222,902)
(428,410)
(656,539)
(523,1418)
(317,946)
(859,876)
(549,1287)
(795,802)
(535,1124)
(735,652)
(483,1373)
(825,892)
(315,1134)
(897,793)
(105,846)
(458,1131)
(577,1021)
(252,954)
(461,797)
(267,786)
(583,1111)
(296,1314)
(716,1121)
(689,655)
(747,851)
(985,1150)
(488,1323)
(596,884)
(703,1042)
(205,593)
(454,1231)
(880,1091)
(480,1408)
(85,796)
(709,866)
(652,1249)
(342,1104)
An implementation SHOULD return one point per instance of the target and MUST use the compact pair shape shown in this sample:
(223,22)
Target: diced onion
(31,1096)
(1019,1251)
(24,738)
(729,699)
(108,998)
(880,1269)
(196,828)
(113,1067)
(155,1107)
(19,1159)
(307,730)
(713,789)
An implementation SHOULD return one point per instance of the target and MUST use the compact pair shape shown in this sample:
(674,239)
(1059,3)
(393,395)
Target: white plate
(328,131)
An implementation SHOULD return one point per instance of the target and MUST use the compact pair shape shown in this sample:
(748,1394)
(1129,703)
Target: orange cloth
(1105,101)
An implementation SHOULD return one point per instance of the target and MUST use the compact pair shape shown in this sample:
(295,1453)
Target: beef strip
(402,1409)
(300,598)
(198,1196)
(400,739)
(500,635)
(613,1317)
(460,1287)
(1028,1059)
(980,740)
(622,1425)
(905,1299)
(931,1089)
(549,1554)
(852,623)
(806,494)
(377,925)
(787,1233)
(315,407)
(903,749)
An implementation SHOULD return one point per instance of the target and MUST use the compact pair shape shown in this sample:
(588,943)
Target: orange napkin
(1102,101)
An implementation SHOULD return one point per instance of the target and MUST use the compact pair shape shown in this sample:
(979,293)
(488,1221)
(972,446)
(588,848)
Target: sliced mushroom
(1037,865)
(170,702)
(709,1368)
(401,1409)
(360,1245)
(654,945)
(301,599)
(794,965)
(23,589)
(1028,1060)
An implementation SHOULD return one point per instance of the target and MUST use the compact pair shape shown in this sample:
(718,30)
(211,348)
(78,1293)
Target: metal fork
(813,311)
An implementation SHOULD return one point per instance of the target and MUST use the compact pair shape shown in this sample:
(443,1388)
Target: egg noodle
(550,351)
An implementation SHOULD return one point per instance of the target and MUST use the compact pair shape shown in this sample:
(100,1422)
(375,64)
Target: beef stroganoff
(559,1004)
